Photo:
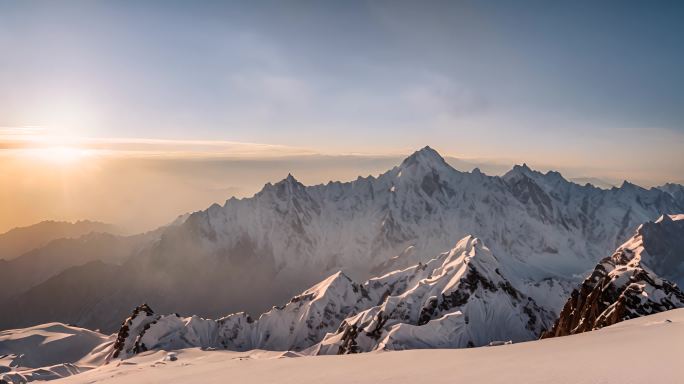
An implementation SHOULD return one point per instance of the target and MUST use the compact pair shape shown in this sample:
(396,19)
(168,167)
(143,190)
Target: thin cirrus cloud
(14,140)
(605,158)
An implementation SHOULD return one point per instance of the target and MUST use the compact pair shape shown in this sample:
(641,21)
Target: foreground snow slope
(48,344)
(647,349)
(48,351)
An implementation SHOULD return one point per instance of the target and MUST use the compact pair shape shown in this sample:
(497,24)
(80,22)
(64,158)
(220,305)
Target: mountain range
(544,233)
(420,257)
(19,241)
(458,299)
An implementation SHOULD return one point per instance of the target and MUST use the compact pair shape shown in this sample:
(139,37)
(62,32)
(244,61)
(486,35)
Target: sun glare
(62,155)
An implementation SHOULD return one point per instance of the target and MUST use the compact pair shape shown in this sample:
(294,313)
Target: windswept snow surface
(644,350)
(49,351)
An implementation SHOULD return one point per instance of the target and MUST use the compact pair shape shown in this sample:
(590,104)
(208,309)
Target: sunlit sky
(593,89)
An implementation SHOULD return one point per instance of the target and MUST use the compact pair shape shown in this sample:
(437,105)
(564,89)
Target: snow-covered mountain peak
(555,178)
(549,181)
(518,171)
(659,244)
(525,181)
(288,196)
(469,253)
(422,177)
(424,160)
(523,167)
(425,155)
(290,179)
(334,281)
(626,185)
(288,184)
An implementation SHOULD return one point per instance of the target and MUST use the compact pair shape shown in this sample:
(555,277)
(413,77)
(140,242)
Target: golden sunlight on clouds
(32,142)
(61,177)
(59,155)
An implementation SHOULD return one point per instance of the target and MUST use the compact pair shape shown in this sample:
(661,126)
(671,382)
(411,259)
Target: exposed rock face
(623,286)
(458,299)
(141,317)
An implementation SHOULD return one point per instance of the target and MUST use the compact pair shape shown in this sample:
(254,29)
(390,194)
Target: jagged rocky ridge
(458,299)
(629,283)
(545,230)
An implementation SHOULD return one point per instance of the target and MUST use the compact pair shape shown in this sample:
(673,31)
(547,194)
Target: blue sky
(548,82)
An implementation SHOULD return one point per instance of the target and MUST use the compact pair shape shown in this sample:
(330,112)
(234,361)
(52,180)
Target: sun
(60,155)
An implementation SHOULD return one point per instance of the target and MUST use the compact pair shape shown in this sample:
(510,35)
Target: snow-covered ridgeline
(541,225)
(464,302)
(458,299)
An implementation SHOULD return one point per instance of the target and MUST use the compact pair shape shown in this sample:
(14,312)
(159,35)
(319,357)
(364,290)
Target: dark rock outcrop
(622,287)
